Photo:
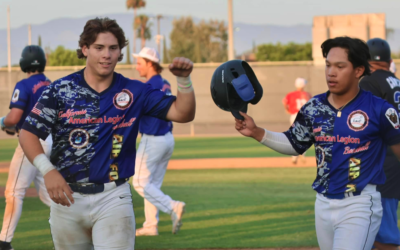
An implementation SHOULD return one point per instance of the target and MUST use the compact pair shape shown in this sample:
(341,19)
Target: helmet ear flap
(234,85)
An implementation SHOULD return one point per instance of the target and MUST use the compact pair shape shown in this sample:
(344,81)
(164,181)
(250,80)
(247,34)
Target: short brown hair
(100,25)
(156,66)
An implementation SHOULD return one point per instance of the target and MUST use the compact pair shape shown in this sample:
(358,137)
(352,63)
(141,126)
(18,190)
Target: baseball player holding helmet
(155,150)
(350,129)
(93,116)
(384,84)
(22,172)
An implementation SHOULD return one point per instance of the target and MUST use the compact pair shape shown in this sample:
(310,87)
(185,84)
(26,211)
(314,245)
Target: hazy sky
(279,12)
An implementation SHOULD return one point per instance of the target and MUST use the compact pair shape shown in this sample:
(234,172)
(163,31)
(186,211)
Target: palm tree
(135,4)
(143,28)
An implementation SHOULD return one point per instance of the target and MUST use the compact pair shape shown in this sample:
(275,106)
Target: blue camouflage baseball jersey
(150,125)
(26,94)
(94,133)
(350,149)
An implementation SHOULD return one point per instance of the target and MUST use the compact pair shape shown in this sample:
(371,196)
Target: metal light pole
(29,35)
(158,33)
(231,49)
(8,39)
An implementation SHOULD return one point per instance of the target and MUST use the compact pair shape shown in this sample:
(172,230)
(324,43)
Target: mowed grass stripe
(191,148)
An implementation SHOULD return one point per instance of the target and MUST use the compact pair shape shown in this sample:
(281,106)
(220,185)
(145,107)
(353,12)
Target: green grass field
(192,147)
(240,208)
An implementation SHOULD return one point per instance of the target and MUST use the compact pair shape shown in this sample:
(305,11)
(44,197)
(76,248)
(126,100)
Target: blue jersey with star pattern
(94,133)
(26,93)
(150,125)
(350,147)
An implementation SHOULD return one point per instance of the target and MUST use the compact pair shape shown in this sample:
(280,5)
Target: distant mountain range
(66,31)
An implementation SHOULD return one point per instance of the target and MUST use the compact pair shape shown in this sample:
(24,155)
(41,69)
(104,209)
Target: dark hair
(357,51)
(156,66)
(100,25)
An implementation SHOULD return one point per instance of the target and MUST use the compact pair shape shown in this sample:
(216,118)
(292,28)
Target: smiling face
(102,55)
(340,74)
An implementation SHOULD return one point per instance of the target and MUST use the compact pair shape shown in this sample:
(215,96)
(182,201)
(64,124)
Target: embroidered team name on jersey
(348,150)
(123,99)
(125,124)
(345,140)
(105,119)
(393,117)
(39,85)
(71,113)
(393,82)
(357,120)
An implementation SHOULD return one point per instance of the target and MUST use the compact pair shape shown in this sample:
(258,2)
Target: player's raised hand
(248,127)
(58,188)
(181,66)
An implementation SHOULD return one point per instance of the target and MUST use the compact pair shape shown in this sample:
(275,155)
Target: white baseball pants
(152,159)
(101,221)
(350,223)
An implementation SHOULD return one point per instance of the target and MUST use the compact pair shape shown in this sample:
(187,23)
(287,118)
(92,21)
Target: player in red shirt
(294,101)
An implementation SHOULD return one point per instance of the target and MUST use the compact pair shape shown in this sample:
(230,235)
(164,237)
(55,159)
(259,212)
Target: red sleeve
(285,100)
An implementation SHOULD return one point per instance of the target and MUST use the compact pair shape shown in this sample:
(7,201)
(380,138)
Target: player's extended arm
(274,140)
(184,108)
(10,120)
(56,185)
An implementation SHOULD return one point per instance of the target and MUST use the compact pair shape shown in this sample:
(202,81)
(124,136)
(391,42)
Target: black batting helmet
(379,50)
(32,59)
(233,86)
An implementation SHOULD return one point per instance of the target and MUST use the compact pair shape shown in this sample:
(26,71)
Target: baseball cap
(300,82)
(393,67)
(148,53)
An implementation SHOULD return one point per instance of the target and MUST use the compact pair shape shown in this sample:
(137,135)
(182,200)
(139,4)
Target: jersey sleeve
(285,100)
(157,103)
(43,116)
(300,134)
(368,84)
(389,126)
(20,97)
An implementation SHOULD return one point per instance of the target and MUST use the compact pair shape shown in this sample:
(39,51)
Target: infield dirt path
(217,163)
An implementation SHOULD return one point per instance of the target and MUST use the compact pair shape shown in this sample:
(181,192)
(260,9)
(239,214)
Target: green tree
(64,57)
(288,52)
(135,4)
(128,55)
(202,42)
(40,41)
(165,51)
(143,29)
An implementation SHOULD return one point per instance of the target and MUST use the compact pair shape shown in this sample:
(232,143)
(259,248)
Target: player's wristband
(43,164)
(184,84)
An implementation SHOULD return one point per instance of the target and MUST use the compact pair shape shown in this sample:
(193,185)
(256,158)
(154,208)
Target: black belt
(92,188)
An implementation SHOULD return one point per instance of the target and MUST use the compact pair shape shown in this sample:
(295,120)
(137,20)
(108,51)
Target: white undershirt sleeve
(278,142)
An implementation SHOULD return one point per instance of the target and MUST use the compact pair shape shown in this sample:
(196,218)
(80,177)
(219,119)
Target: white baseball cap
(393,67)
(300,82)
(148,53)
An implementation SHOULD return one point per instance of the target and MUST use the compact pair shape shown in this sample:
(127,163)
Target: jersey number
(397,99)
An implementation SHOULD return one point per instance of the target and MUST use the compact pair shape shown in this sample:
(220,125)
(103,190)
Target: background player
(293,103)
(22,172)
(349,128)
(385,85)
(155,150)
(94,117)
(393,67)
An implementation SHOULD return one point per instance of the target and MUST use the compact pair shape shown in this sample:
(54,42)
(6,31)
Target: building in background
(362,26)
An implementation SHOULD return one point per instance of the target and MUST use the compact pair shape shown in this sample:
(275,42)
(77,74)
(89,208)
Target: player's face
(340,74)
(103,54)
(142,67)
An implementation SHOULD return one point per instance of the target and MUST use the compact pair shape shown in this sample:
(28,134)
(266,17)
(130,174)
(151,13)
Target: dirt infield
(217,163)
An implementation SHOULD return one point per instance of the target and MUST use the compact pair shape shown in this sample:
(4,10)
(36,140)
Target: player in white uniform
(154,152)
(22,172)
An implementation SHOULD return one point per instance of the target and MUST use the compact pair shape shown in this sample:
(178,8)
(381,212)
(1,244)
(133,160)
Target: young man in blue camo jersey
(93,116)
(350,129)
